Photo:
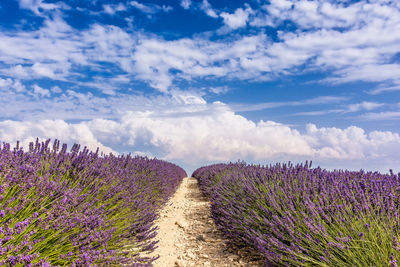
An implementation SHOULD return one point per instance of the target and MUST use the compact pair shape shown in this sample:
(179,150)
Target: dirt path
(188,236)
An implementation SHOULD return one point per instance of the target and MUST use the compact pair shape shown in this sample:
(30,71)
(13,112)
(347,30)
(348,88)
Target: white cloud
(112,9)
(37,6)
(348,108)
(40,92)
(313,14)
(5,83)
(57,52)
(384,88)
(17,71)
(186,129)
(336,37)
(369,73)
(28,131)
(386,115)
(13,85)
(48,52)
(244,58)
(364,106)
(142,7)
(331,37)
(43,70)
(354,143)
(18,86)
(238,19)
(318,113)
(75,105)
(186,4)
(306,102)
(56,89)
(150,8)
(207,8)
(219,89)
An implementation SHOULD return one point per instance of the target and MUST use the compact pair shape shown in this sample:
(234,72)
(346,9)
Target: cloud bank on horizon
(196,82)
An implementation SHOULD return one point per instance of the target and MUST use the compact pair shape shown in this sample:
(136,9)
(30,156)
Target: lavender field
(295,215)
(79,208)
(83,208)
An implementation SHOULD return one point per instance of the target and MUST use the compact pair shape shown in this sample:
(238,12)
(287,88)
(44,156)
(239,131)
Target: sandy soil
(188,235)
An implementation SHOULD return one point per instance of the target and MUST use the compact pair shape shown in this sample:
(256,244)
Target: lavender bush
(79,208)
(303,216)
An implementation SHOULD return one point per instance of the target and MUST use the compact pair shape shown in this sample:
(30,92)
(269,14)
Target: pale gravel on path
(188,235)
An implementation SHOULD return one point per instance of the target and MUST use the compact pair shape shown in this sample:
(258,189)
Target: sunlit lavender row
(302,216)
(79,208)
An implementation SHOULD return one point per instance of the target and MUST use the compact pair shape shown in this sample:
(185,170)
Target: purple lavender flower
(76,192)
(396,244)
(393,261)
(297,207)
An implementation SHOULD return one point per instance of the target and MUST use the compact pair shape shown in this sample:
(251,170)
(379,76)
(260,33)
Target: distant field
(79,208)
(303,216)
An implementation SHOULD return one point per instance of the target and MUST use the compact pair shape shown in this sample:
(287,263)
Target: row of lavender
(303,216)
(79,208)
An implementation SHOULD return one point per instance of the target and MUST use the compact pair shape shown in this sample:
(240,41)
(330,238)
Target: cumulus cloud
(197,132)
(56,51)
(337,37)
(238,19)
(28,131)
(350,54)
(353,143)
(40,92)
(244,58)
(181,126)
(12,85)
(55,89)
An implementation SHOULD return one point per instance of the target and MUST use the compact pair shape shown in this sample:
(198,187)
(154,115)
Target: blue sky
(197,82)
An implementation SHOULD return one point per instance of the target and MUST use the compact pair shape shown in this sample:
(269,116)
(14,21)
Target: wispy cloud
(345,108)
(318,112)
(113,9)
(384,88)
(364,106)
(351,53)
(219,89)
(56,51)
(386,115)
(207,8)
(186,4)
(150,8)
(38,6)
(268,105)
